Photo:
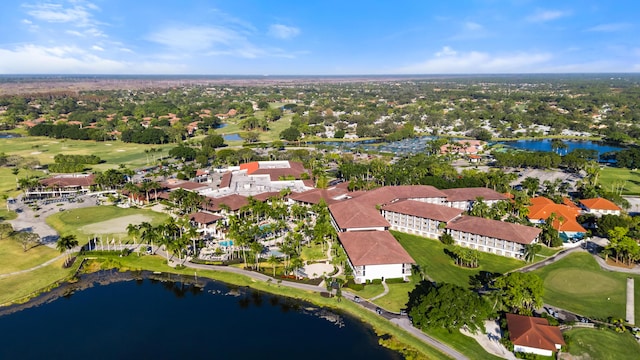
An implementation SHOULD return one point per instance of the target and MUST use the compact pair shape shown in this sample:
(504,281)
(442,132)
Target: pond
(112,315)
(232,137)
(9,136)
(545,145)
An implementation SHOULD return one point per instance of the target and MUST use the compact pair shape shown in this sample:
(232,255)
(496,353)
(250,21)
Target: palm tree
(273,261)
(133,231)
(66,243)
(530,251)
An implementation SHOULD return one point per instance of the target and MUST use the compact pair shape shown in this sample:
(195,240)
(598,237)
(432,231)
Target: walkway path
(33,268)
(385,292)
(630,302)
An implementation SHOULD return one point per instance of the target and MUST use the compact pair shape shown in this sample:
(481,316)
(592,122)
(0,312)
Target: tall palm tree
(133,230)
(530,251)
(273,261)
(66,243)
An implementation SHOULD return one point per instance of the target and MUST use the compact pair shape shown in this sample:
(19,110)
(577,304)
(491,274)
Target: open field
(437,265)
(13,258)
(113,153)
(613,178)
(601,344)
(578,284)
(110,220)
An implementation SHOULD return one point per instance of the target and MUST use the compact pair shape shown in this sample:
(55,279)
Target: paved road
(630,302)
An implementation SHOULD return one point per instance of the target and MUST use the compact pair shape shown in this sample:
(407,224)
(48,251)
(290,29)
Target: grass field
(16,287)
(44,149)
(577,283)
(613,178)
(13,258)
(80,222)
(437,265)
(601,344)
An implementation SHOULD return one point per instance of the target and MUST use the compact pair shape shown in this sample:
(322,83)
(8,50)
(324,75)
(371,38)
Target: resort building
(564,216)
(464,198)
(62,185)
(205,222)
(600,206)
(415,217)
(534,335)
(375,255)
(492,236)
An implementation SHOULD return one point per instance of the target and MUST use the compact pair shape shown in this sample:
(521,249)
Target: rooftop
(373,248)
(496,229)
(423,210)
(533,332)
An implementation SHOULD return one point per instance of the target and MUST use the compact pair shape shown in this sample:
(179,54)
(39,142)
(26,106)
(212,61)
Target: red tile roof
(314,196)
(423,210)
(225,181)
(69,180)
(565,215)
(496,229)
(266,195)
(533,332)
(373,248)
(234,202)
(353,214)
(204,218)
(387,194)
(187,185)
(599,204)
(470,194)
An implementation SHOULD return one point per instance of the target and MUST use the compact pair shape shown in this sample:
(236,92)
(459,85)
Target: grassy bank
(22,287)
(578,284)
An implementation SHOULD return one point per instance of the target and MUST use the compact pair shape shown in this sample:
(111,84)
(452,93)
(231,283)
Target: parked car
(378,311)
(356,298)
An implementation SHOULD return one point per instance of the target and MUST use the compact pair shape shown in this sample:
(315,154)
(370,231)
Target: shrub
(394,281)
(353,286)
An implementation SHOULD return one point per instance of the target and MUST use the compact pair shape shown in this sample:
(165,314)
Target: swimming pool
(226,243)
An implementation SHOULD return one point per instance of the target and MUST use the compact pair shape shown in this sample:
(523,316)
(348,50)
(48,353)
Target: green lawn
(17,287)
(313,252)
(577,283)
(398,295)
(462,343)
(601,344)
(613,178)
(83,222)
(44,149)
(13,258)
(437,265)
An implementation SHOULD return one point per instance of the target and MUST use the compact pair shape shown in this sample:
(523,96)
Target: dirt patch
(114,226)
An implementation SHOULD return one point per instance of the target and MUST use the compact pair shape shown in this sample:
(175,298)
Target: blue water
(226,243)
(154,319)
(231,137)
(8,136)
(545,145)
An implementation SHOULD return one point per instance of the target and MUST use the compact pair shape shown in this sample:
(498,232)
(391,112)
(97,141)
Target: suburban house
(492,236)
(62,185)
(464,198)
(600,206)
(564,215)
(463,146)
(375,255)
(353,215)
(415,217)
(533,335)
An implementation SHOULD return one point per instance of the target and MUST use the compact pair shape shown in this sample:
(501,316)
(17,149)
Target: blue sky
(318,37)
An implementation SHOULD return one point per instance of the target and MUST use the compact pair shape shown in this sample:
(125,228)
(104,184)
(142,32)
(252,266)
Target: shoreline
(390,335)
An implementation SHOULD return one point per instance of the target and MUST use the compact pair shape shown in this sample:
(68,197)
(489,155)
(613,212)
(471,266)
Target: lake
(168,317)
(8,136)
(232,137)
(545,145)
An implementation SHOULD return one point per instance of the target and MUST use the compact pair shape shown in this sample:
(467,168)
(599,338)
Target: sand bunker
(120,150)
(36,152)
(115,226)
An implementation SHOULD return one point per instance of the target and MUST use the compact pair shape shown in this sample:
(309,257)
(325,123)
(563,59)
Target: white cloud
(97,48)
(195,38)
(74,33)
(27,21)
(57,13)
(613,27)
(283,31)
(547,15)
(34,59)
(449,61)
(473,26)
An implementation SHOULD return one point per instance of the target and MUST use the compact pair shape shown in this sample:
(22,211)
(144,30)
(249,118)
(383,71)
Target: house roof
(234,202)
(533,332)
(266,195)
(496,229)
(470,194)
(373,248)
(225,181)
(187,185)
(599,204)
(314,196)
(275,169)
(387,194)
(352,214)
(423,210)
(204,217)
(565,215)
(69,180)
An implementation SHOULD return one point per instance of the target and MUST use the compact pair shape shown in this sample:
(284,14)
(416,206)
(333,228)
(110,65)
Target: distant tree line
(145,136)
